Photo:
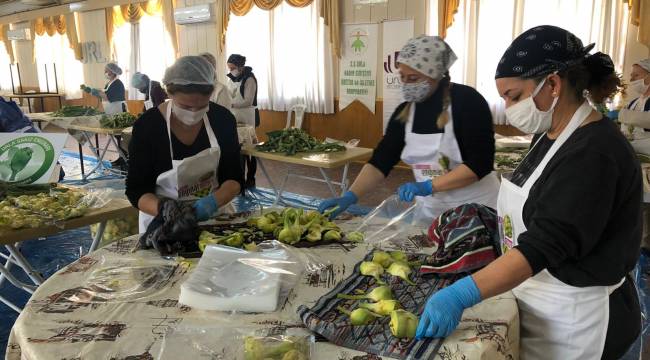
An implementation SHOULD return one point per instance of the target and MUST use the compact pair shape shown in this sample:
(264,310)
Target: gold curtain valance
(132,13)
(7,42)
(242,7)
(446,11)
(50,25)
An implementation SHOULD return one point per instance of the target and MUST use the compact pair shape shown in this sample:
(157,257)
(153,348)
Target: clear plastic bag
(393,221)
(125,281)
(230,343)
(231,279)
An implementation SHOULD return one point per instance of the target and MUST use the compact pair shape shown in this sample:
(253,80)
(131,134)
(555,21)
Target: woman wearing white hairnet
(185,149)
(154,93)
(114,95)
(635,117)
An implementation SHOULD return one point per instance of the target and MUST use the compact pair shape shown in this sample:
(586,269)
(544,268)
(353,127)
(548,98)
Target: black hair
(595,77)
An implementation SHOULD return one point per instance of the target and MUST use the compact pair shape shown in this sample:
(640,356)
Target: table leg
(43,104)
(97,143)
(101,154)
(344,179)
(116,142)
(268,178)
(81,160)
(60,102)
(98,236)
(328,181)
(278,197)
(29,105)
(5,273)
(23,263)
(13,306)
(8,265)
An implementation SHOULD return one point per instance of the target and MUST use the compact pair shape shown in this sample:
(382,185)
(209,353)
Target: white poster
(29,158)
(396,33)
(358,70)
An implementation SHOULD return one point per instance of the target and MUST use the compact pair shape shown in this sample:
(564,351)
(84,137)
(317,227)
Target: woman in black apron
(569,214)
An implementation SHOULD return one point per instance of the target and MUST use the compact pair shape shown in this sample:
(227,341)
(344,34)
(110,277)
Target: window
(51,51)
(483,29)
(145,47)
(5,75)
(290,66)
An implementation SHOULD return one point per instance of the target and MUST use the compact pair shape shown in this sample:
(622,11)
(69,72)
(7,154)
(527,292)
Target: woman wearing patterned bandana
(443,131)
(573,207)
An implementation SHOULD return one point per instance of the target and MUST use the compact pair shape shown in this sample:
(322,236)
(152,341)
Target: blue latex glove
(343,203)
(613,114)
(94,92)
(444,309)
(205,207)
(410,190)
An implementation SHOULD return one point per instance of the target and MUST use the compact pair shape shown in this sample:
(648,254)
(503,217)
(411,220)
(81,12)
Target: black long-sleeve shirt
(583,220)
(149,150)
(583,214)
(473,128)
(116,91)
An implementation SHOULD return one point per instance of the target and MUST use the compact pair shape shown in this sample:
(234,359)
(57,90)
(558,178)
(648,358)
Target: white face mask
(638,87)
(235,73)
(189,117)
(417,91)
(526,117)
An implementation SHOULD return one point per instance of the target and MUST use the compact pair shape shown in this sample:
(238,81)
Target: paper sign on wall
(358,78)
(29,158)
(396,34)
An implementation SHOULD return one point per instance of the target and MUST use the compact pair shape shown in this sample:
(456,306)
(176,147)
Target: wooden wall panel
(416,10)
(379,12)
(397,9)
(362,13)
(354,122)
(346,11)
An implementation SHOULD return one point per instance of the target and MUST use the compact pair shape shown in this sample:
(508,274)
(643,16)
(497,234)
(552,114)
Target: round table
(117,303)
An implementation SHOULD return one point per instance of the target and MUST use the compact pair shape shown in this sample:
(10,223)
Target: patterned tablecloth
(117,303)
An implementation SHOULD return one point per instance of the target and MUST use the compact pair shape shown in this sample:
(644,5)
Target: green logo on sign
(357,43)
(25,159)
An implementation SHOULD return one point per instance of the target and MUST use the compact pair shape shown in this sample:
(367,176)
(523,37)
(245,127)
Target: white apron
(558,321)
(423,152)
(190,178)
(245,115)
(148,104)
(115,107)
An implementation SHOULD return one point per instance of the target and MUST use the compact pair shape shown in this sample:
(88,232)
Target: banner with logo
(358,70)
(396,33)
(29,158)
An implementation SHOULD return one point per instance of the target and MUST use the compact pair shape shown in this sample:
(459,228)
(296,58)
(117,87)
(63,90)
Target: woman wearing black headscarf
(243,92)
(570,214)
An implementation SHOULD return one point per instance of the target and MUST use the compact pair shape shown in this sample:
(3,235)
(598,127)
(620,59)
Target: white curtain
(123,49)
(55,50)
(145,47)
(290,55)
(483,29)
(5,73)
